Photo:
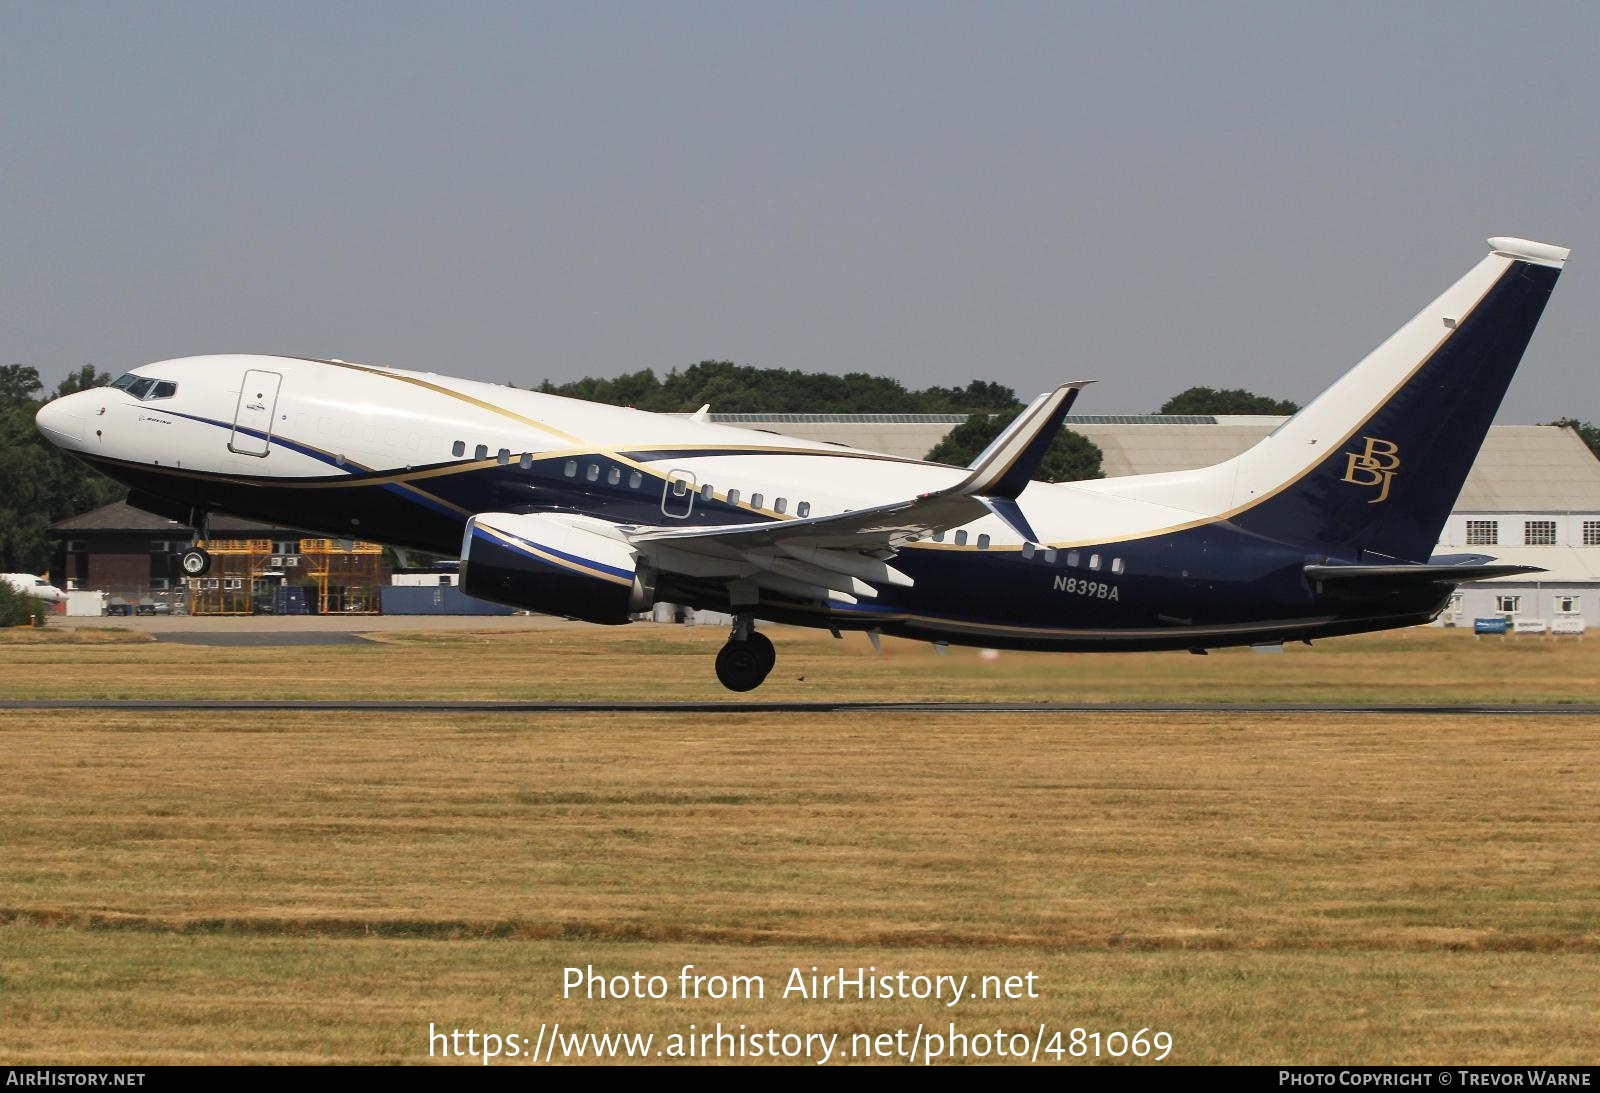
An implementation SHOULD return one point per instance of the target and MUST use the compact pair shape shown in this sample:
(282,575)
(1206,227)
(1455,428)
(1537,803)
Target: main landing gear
(743,663)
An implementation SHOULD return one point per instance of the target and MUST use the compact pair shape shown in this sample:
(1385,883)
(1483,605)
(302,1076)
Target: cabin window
(680,488)
(983,542)
(1072,559)
(1049,557)
(1539,533)
(526,462)
(592,472)
(803,509)
(458,448)
(1028,550)
(1116,565)
(756,500)
(571,469)
(733,497)
(1483,532)
(503,457)
(1094,561)
(613,476)
(481,452)
(938,536)
(707,492)
(780,505)
(634,480)
(961,537)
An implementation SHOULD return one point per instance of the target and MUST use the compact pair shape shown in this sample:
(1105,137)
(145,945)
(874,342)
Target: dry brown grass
(646,662)
(299,887)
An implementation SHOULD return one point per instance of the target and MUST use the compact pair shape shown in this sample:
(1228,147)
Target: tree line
(39,483)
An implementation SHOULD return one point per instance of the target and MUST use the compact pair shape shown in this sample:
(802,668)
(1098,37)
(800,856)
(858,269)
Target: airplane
(595,512)
(34,585)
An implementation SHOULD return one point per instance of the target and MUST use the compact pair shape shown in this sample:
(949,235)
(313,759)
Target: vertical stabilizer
(1372,467)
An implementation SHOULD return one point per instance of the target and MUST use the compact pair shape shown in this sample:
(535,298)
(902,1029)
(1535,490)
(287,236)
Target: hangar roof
(123,517)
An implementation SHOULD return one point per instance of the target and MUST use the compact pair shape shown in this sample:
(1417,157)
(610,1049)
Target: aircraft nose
(61,421)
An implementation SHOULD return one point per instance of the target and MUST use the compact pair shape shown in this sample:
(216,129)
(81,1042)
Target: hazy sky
(1154,195)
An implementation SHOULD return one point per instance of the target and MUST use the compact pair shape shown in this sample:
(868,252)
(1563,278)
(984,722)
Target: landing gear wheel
(761,645)
(196,562)
(742,665)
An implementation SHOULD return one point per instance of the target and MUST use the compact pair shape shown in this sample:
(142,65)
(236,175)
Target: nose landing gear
(744,662)
(196,561)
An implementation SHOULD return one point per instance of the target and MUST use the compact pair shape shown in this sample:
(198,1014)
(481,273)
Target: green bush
(17,608)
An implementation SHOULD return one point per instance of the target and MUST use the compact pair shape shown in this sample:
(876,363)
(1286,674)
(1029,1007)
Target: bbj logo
(1374,465)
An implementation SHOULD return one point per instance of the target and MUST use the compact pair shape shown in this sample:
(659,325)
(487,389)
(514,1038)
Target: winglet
(1006,466)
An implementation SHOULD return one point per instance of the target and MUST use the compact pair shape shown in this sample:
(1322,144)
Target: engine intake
(556,565)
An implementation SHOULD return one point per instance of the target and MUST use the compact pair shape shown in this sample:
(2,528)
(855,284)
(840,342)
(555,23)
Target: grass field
(1267,889)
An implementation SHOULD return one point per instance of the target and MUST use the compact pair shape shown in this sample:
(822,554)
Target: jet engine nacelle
(556,565)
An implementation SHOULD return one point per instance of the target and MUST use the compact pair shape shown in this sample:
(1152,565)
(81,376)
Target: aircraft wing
(842,555)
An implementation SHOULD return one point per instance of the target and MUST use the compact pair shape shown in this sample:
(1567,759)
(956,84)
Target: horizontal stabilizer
(1392,576)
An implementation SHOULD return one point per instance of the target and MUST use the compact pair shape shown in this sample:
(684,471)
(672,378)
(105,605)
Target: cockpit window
(145,389)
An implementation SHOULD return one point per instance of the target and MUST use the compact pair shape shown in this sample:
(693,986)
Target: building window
(1539,533)
(1508,605)
(1483,532)
(1567,605)
(1591,533)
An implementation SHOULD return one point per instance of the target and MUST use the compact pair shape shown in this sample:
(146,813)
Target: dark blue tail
(1371,469)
